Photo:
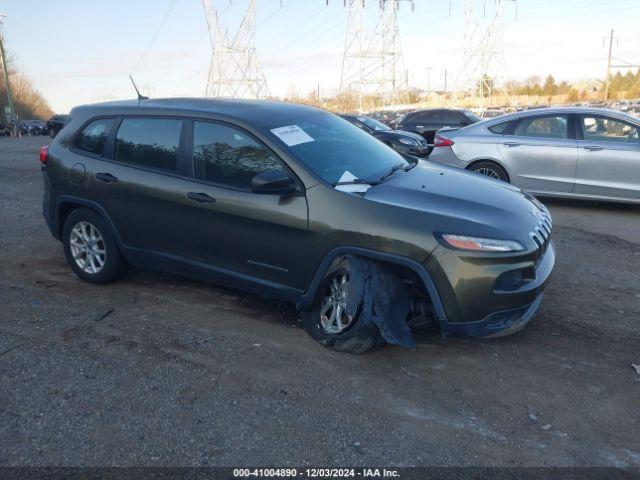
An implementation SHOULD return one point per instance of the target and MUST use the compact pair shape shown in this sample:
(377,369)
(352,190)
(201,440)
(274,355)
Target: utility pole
(607,79)
(445,86)
(6,75)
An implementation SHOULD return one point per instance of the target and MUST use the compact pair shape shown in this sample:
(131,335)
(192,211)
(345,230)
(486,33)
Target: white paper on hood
(354,187)
(292,135)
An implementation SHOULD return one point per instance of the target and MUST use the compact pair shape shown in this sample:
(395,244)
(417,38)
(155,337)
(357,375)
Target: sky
(82,51)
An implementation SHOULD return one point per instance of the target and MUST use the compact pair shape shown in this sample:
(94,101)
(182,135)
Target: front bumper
(475,303)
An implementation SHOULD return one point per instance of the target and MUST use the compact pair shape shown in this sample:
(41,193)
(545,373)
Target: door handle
(511,144)
(593,148)
(200,197)
(106,177)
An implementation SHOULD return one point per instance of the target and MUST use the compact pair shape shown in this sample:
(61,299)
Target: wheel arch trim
(306,299)
(70,199)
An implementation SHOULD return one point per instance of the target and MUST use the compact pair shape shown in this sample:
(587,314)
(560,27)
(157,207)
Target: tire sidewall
(114,262)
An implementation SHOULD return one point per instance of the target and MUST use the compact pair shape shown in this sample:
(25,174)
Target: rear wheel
(90,247)
(328,321)
(491,170)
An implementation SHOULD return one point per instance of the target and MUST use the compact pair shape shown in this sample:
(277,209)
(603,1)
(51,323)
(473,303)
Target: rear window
(93,137)
(149,142)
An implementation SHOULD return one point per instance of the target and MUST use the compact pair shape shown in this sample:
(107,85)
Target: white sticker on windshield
(347,177)
(292,135)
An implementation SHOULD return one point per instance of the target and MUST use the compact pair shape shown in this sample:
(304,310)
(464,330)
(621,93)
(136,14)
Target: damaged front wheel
(329,320)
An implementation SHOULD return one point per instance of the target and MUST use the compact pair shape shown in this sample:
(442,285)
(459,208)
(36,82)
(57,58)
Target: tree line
(621,86)
(28,102)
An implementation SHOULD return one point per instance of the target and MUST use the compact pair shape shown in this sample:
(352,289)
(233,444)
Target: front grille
(541,234)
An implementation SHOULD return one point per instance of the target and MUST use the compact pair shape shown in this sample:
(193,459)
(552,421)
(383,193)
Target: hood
(461,202)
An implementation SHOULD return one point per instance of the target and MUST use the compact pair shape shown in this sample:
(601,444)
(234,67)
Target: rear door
(541,153)
(608,157)
(143,185)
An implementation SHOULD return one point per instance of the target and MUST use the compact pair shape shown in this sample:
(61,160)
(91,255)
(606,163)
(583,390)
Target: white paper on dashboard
(354,187)
(292,135)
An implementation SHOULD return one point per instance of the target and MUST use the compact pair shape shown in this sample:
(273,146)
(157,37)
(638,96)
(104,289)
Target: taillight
(442,141)
(44,152)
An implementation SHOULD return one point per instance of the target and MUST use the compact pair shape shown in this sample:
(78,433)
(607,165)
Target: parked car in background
(32,127)
(293,202)
(55,124)
(407,143)
(428,122)
(492,113)
(588,153)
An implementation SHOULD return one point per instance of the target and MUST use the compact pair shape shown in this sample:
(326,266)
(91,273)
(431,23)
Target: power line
(155,35)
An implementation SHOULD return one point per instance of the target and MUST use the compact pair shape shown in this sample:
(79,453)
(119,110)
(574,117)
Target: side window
(500,128)
(228,156)
(93,137)
(149,142)
(450,117)
(543,127)
(428,116)
(605,129)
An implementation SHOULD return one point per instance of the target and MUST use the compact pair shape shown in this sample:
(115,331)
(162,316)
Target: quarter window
(149,142)
(93,137)
(543,127)
(605,129)
(499,128)
(227,156)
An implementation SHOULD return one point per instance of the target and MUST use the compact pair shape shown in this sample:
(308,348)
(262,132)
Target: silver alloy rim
(333,310)
(87,247)
(488,172)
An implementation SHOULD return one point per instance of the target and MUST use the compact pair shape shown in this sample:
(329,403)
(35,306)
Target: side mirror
(272,181)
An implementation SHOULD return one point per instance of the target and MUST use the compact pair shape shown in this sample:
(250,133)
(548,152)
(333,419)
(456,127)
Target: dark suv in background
(292,202)
(428,122)
(407,143)
(56,123)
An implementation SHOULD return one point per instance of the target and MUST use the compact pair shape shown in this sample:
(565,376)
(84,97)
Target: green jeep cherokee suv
(284,200)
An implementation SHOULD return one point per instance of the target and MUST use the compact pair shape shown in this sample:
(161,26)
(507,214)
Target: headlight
(408,141)
(479,244)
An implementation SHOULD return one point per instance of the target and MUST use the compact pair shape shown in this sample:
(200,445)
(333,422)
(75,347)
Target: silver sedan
(562,152)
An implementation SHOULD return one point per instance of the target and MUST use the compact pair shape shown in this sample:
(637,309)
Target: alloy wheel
(87,247)
(333,313)
(488,172)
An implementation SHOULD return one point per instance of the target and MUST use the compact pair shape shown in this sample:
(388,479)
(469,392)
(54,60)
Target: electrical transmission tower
(372,63)
(484,70)
(234,71)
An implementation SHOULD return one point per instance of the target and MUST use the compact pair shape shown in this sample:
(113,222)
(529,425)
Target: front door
(261,235)
(540,154)
(608,158)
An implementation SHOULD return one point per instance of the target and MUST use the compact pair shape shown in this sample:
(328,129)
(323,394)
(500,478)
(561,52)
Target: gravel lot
(158,370)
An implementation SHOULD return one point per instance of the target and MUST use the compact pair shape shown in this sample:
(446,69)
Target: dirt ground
(158,370)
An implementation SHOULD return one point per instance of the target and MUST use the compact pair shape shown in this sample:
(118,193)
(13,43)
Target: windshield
(373,124)
(330,146)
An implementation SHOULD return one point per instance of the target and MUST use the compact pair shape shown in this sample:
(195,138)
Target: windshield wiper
(356,181)
(396,167)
